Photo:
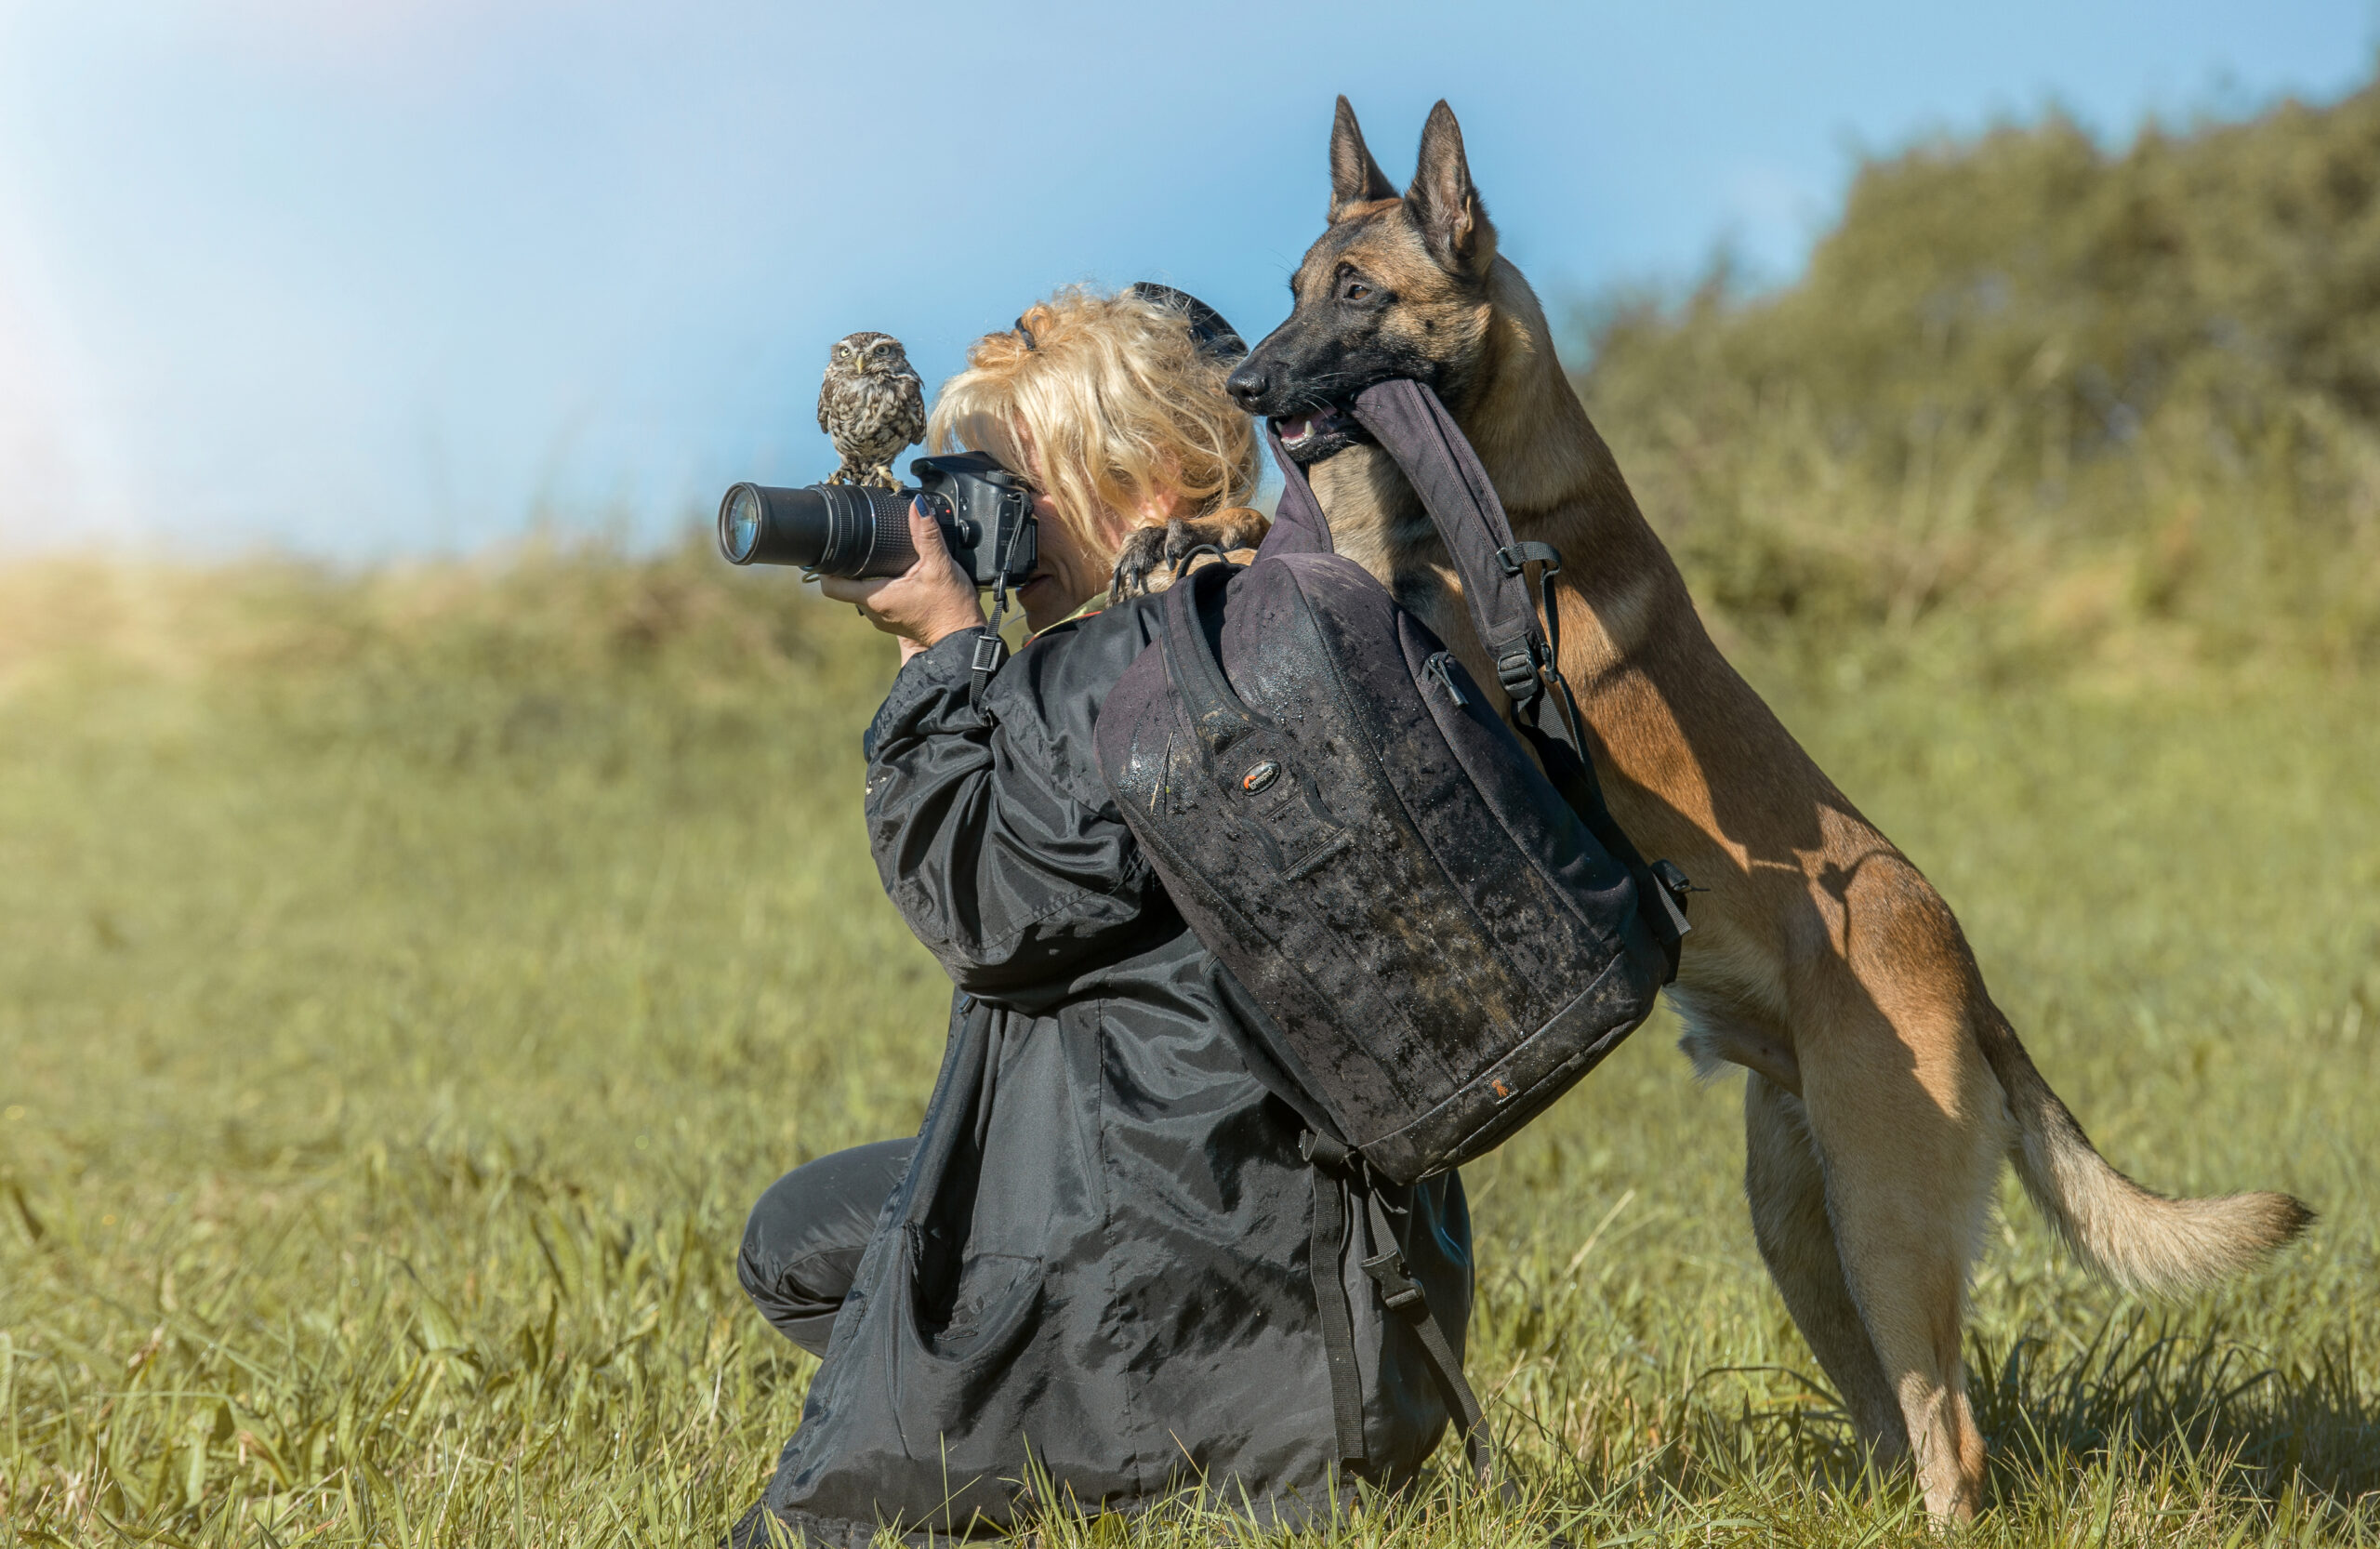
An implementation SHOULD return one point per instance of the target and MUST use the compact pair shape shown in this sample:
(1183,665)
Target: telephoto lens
(853,530)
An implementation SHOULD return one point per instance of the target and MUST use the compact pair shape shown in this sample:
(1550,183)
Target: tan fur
(1886,1086)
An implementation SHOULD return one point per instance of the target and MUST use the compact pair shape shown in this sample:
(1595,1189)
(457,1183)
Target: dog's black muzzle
(1310,427)
(1311,435)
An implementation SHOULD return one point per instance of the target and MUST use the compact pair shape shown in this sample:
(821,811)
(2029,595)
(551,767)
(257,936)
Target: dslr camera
(985,511)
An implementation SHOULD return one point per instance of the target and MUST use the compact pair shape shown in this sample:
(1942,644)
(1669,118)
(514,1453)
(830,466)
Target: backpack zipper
(1441,666)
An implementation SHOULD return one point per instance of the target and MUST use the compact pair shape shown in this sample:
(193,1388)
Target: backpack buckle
(991,651)
(1514,557)
(1322,1151)
(1398,1290)
(1516,670)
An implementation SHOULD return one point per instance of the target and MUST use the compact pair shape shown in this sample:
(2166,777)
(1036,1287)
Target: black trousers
(802,1246)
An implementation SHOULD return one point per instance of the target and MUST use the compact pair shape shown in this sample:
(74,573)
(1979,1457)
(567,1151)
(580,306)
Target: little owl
(870,407)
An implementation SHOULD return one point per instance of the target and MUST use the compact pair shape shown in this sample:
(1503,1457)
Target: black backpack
(1441,939)
(1432,937)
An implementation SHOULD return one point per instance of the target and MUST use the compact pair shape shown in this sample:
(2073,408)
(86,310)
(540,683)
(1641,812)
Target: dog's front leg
(1908,1127)
(1785,1185)
(1166,546)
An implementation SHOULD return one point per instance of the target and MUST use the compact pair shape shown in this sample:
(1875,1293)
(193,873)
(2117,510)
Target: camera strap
(991,650)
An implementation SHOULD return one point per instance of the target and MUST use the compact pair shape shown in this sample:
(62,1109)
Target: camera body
(985,511)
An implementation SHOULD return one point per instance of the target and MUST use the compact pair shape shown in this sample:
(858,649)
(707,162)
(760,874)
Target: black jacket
(1097,1272)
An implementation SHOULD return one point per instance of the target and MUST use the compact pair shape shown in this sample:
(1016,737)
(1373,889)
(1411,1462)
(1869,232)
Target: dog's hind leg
(1786,1188)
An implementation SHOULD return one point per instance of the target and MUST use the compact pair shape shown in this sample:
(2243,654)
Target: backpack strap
(1252,1032)
(1437,459)
(1328,1241)
(1414,427)
(1661,886)
(1408,421)
(1383,1260)
(1298,527)
(1401,1294)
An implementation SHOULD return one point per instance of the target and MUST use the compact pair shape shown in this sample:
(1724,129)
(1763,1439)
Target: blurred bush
(548,648)
(2037,402)
(549,605)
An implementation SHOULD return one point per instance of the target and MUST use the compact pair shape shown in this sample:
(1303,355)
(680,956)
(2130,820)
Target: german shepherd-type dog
(1885,1086)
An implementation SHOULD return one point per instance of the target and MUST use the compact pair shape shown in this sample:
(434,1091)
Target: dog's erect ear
(1356,179)
(1444,204)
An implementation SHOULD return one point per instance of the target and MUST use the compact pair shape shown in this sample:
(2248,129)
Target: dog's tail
(2136,1237)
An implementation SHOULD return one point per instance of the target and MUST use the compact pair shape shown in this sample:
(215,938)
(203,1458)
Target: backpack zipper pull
(1441,666)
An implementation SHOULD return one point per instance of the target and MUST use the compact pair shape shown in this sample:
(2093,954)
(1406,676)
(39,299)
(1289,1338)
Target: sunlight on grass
(414,977)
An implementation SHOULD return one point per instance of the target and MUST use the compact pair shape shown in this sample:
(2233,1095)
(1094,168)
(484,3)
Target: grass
(410,979)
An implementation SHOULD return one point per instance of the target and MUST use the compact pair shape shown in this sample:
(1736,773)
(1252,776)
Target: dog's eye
(1354,291)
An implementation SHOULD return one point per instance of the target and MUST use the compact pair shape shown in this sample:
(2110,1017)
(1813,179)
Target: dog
(1885,1088)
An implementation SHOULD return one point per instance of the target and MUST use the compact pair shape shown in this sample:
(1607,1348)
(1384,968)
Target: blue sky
(372,278)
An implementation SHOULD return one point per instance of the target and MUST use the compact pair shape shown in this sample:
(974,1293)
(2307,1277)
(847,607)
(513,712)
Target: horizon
(410,280)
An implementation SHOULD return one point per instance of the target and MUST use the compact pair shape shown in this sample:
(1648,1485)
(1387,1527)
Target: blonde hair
(1111,403)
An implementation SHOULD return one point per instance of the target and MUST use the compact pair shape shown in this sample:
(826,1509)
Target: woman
(1090,1280)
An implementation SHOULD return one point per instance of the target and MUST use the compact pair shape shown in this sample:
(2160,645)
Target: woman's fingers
(840,589)
(925,537)
(927,603)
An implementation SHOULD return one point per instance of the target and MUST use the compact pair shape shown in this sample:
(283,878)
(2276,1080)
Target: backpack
(1430,935)
(1442,936)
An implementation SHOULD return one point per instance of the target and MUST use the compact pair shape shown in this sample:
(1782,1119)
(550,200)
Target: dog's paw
(1152,550)
(1143,552)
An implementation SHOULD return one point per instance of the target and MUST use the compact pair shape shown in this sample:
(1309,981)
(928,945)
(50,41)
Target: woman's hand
(926,604)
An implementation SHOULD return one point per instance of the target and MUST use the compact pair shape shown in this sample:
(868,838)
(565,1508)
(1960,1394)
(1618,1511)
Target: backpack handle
(1217,713)
(1277,800)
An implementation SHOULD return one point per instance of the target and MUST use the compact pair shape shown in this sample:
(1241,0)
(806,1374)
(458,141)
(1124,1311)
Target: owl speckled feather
(871,406)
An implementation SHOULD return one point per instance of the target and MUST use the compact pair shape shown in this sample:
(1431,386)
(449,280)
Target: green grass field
(409,980)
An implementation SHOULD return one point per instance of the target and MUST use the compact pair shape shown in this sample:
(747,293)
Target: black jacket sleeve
(992,830)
